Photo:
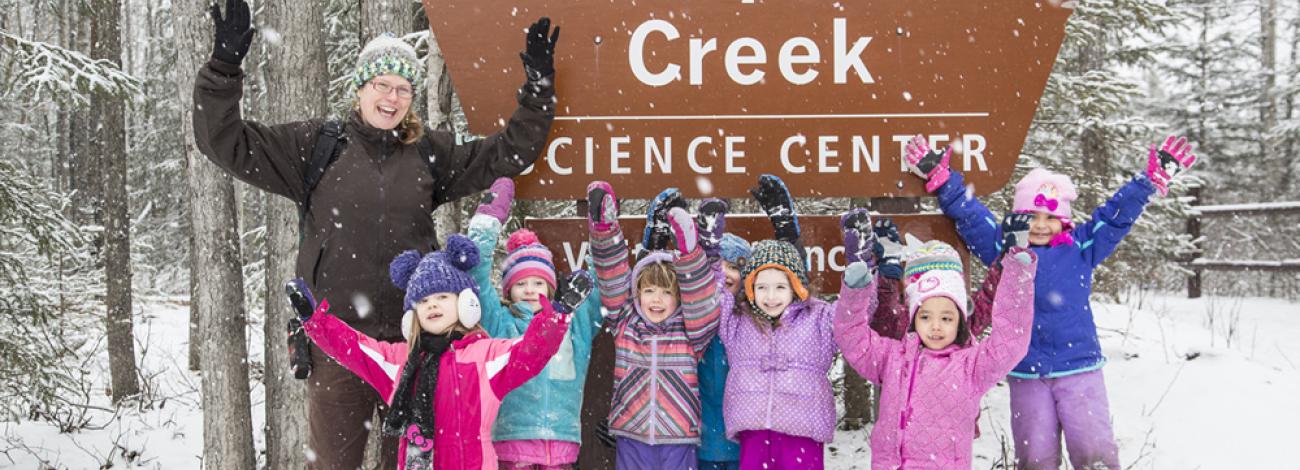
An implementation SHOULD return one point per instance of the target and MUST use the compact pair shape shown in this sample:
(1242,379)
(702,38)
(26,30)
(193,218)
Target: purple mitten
(859,238)
(712,223)
(497,199)
(602,207)
(683,230)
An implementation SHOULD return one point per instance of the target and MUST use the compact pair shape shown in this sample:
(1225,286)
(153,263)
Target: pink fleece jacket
(473,377)
(929,400)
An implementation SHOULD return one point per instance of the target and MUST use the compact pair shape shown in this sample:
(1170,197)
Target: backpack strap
(322,155)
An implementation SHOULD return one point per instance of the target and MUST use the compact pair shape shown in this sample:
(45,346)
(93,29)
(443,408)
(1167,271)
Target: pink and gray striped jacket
(656,387)
(473,376)
(929,400)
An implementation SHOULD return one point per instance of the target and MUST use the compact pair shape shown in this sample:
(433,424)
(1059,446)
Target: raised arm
(485,230)
(608,247)
(1013,319)
(522,359)
(376,362)
(975,223)
(465,167)
(696,280)
(272,158)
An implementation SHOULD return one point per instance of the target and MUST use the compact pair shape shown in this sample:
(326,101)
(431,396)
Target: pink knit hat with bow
(937,283)
(1044,191)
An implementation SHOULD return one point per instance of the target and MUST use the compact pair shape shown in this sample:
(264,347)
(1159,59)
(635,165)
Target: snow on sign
(824,94)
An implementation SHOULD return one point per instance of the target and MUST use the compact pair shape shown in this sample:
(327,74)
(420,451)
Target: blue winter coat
(1064,340)
(548,406)
(714,445)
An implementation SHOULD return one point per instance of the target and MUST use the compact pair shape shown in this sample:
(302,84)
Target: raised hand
(1165,164)
(711,220)
(572,291)
(657,234)
(497,199)
(859,238)
(539,51)
(930,165)
(233,34)
(684,231)
(1015,231)
(774,198)
(888,249)
(602,206)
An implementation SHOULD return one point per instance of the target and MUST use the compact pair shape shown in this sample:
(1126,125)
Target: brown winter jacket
(374,201)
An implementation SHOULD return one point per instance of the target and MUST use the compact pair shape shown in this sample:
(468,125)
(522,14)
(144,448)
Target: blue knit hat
(446,270)
(735,249)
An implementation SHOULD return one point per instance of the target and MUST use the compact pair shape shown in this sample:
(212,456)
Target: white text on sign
(744,57)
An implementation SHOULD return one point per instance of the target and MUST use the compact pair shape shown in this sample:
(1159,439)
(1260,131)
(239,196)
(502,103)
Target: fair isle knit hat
(937,283)
(779,255)
(527,257)
(1044,191)
(735,249)
(387,55)
(929,256)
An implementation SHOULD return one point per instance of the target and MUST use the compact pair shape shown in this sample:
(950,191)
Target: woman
(372,203)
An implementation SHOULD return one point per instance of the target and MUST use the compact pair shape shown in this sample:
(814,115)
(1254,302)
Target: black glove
(888,249)
(602,205)
(1015,231)
(572,291)
(602,433)
(539,52)
(711,222)
(775,200)
(233,35)
(658,234)
(299,344)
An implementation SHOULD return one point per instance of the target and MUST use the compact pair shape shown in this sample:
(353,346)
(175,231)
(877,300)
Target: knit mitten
(602,207)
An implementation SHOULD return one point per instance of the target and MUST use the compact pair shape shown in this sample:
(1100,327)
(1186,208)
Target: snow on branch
(46,71)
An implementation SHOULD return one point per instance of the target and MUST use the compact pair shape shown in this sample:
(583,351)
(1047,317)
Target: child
(779,404)
(539,425)
(716,451)
(448,367)
(932,380)
(665,313)
(1058,386)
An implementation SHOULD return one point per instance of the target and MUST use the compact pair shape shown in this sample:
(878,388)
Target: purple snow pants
(771,450)
(1041,409)
(636,455)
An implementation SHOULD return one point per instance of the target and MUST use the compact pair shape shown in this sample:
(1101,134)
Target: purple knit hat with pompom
(446,270)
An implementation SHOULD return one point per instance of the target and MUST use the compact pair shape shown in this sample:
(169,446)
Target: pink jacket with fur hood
(474,375)
(929,400)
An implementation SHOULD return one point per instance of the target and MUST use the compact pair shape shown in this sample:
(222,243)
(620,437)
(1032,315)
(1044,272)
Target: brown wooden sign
(706,95)
(823,240)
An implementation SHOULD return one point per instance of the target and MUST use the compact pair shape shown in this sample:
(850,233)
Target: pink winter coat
(473,376)
(929,400)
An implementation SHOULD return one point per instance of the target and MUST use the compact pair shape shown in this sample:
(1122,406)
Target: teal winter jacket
(548,406)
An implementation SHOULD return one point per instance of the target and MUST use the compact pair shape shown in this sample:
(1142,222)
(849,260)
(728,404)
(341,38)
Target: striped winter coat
(656,387)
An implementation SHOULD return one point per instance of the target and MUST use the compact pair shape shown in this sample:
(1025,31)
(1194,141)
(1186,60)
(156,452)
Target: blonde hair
(657,275)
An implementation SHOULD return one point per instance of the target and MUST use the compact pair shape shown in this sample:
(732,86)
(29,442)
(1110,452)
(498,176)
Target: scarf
(413,399)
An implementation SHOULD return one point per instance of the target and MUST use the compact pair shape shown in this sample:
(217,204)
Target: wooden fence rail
(1198,264)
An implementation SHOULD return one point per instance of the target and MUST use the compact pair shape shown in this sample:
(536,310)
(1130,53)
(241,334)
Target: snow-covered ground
(1183,396)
